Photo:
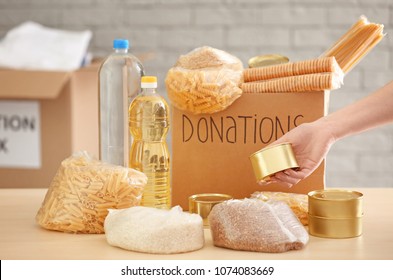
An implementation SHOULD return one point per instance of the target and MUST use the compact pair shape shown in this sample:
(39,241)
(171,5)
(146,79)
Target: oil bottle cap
(120,44)
(149,82)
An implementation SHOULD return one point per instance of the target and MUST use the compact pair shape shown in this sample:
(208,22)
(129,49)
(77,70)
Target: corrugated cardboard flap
(24,84)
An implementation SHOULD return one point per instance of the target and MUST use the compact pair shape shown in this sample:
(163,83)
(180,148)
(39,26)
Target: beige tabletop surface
(22,239)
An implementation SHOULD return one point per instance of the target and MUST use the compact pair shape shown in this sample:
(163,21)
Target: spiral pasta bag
(206,80)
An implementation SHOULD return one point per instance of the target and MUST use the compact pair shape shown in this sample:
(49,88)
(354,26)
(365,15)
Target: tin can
(203,203)
(334,227)
(335,203)
(272,159)
(266,60)
(335,213)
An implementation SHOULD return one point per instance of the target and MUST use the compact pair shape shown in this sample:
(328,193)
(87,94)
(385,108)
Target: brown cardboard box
(68,113)
(210,153)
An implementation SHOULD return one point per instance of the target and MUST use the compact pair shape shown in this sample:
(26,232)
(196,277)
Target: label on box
(20,140)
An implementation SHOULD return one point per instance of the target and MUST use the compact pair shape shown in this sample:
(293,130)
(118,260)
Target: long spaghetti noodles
(356,43)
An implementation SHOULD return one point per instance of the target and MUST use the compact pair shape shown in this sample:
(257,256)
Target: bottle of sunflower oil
(149,125)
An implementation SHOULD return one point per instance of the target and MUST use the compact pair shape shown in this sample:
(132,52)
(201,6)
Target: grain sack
(152,230)
(206,80)
(254,225)
(82,191)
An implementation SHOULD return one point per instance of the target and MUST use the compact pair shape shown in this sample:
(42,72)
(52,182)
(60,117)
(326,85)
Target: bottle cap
(120,44)
(149,82)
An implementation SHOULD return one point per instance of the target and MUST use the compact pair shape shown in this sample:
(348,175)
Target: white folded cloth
(32,46)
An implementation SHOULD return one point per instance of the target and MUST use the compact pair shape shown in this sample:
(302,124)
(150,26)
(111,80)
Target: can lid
(267,60)
(209,197)
(121,44)
(149,82)
(335,195)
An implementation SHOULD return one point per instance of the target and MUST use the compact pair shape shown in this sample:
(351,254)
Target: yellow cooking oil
(149,125)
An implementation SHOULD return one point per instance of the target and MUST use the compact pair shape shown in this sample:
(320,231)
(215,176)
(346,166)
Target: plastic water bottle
(119,83)
(149,125)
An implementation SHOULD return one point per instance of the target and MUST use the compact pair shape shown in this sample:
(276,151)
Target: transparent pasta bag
(356,43)
(82,191)
(206,80)
(297,202)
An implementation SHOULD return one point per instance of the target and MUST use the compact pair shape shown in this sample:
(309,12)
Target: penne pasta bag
(206,80)
(82,191)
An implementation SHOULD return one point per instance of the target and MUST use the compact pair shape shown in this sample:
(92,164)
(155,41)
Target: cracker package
(308,75)
(82,191)
(206,80)
(297,68)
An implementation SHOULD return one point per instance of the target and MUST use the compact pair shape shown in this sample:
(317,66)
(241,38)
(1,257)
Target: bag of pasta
(82,191)
(296,201)
(206,80)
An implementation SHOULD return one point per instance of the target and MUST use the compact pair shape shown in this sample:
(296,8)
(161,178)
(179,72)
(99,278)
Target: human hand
(310,143)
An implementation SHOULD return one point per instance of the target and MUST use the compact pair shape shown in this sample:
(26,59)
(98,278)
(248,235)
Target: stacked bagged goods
(309,75)
(206,80)
(253,225)
(320,65)
(297,202)
(83,190)
(324,73)
(152,230)
(359,40)
(310,82)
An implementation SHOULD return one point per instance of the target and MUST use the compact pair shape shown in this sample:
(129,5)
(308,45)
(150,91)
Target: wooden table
(22,239)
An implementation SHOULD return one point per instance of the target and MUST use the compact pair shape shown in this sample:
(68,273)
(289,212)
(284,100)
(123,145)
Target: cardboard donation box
(44,117)
(210,153)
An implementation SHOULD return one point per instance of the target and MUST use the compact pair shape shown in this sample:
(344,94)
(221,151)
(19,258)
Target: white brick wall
(300,29)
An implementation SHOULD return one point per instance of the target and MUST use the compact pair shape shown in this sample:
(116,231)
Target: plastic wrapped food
(152,230)
(297,68)
(297,202)
(206,80)
(83,190)
(356,43)
(254,225)
(301,83)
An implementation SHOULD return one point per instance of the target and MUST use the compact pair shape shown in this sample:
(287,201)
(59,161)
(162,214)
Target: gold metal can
(267,60)
(202,204)
(272,159)
(334,228)
(335,203)
(335,213)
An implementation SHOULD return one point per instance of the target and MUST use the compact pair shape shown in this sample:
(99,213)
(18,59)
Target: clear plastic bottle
(149,125)
(119,83)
